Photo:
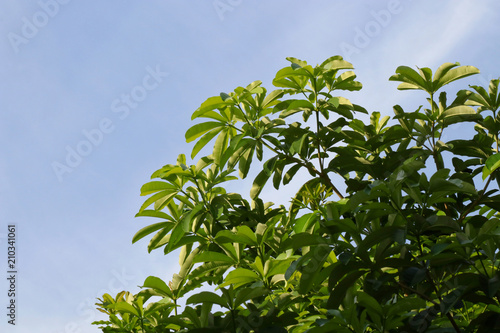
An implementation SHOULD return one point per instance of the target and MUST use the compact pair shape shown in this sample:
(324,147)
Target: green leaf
(411,79)
(335,63)
(370,303)
(154,213)
(445,74)
(210,256)
(335,101)
(202,142)
(422,80)
(378,236)
(310,272)
(206,269)
(149,229)
(272,98)
(339,292)
(244,235)
(207,297)
(158,196)
(492,163)
(158,285)
(246,161)
(288,77)
(278,267)
(459,114)
(438,248)
(304,222)
(258,183)
(156,186)
(297,106)
(248,233)
(493,286)
(306,239)
(181,241)
(125,307)
(411,276)
(247,294)
(346,82)
(224,96)
(199,129)
(240,277)
(220,146)
(164,200)
(210,104)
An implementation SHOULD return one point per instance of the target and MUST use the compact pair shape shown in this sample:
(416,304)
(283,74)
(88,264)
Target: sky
(97,95)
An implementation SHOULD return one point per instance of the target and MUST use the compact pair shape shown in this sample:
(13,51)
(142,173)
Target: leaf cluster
(393,230)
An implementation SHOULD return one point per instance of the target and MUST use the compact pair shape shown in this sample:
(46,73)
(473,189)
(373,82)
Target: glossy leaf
(492,163)
(240,277)
(158,285)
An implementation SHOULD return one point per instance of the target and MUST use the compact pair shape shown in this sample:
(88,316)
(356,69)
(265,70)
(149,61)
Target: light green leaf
(411,79)
(492,163)
(336,63)
(297,106)
(149,229)
(210,104)
(247,232)
(158,285)
(272,98)
(290,173)
(220,146)
(244,235)
(156,186)
(154,213)
(200,129)
(202,142)
(240,277)
(210,256)
(164,200)
(125,307)
(459,114)
(258,183)
(335,101)
(155,197)
(445,74)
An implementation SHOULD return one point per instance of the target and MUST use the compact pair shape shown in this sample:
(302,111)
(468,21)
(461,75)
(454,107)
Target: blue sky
(118,82)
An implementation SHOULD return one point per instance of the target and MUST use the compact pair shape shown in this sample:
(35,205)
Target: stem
(233,321)
(453,323)
(188,195)
(309,166)
(474,204)
(244,115)
(427,298)
(431,280)
(435,153)
(320,161)
(207,206)
(496,140)
(418,293)
(482,264)
(433,123)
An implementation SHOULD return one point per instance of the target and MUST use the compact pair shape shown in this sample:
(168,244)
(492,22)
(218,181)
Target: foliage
(408,242)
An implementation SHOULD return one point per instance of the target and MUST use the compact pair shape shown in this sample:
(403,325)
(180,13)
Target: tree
(394,231)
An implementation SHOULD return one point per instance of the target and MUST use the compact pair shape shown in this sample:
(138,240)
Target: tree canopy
(393,230)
